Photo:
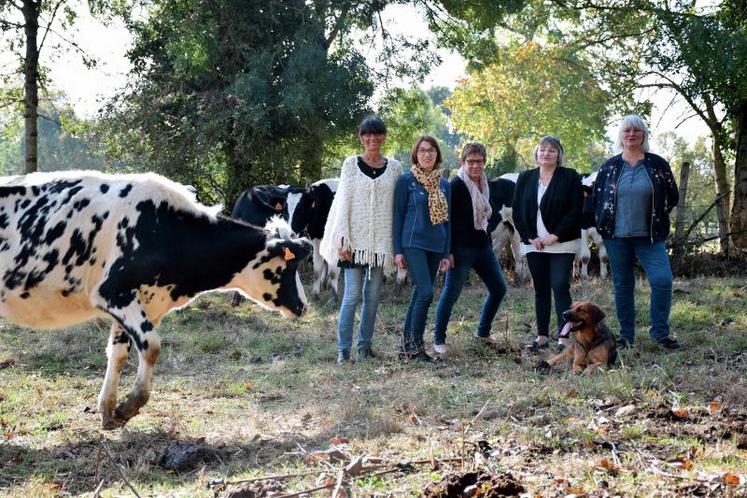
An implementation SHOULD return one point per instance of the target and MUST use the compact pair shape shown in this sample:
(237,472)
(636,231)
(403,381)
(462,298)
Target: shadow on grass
(78,466)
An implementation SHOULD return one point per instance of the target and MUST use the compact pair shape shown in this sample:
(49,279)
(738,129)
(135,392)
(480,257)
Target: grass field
(262,396)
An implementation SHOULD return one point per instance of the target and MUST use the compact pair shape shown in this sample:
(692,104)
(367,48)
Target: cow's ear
(296,250)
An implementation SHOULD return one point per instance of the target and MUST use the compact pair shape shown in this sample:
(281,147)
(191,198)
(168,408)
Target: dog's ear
(596,313)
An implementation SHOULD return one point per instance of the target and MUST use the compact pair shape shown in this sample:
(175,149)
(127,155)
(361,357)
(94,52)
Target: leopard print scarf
(437,205)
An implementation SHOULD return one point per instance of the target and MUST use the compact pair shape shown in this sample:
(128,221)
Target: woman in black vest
(547,208)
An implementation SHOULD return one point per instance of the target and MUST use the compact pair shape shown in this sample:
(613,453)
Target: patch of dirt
(184,457)
(473,484)
(253,490)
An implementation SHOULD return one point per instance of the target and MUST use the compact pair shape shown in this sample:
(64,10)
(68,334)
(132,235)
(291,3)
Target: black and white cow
(501,224)
(258,204)
(589,234)
(79,245)
(308,210)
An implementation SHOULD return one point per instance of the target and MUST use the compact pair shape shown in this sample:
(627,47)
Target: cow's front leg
(149,349)
(319,270)
(334,280)
(117,351)
(142,334)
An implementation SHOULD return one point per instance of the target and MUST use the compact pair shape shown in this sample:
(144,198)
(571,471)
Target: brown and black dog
(592,343)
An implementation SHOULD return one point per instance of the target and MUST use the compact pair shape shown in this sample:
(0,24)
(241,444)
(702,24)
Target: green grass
(265,393)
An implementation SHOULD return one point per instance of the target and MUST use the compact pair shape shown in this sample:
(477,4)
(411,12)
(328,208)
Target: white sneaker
(440,348)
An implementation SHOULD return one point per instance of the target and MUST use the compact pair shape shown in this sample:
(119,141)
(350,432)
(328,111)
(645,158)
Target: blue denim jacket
(412,221)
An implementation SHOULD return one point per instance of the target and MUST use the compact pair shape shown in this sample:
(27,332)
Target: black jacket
(665,195)
(463,231)
(561,205)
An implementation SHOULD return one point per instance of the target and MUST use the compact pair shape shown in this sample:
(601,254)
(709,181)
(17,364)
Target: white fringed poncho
(361,216)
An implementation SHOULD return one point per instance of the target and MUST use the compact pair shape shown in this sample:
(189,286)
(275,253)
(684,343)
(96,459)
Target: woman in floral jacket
(633,195)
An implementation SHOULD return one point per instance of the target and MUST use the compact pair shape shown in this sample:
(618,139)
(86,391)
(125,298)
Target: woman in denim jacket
(633,195)
(421,237)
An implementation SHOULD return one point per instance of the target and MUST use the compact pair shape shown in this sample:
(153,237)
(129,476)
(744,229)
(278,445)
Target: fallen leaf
(578,491)
(8,435)
(732,480)
(680,413)
(337,441)
(53,486)
(571,394)
(248,386)
(684,464)
(652,394)
(626,411)
(413,419)
(610,467)
(714,406)
(38,390)
(319,456)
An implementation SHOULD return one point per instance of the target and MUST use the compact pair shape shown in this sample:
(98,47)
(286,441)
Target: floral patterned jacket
(665,195)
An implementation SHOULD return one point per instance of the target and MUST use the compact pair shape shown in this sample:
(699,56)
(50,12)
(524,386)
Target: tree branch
(49,25)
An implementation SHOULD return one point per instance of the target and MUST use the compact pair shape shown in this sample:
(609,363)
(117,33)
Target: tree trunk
(723,192)
(738,223)
(679,224)
(30,9)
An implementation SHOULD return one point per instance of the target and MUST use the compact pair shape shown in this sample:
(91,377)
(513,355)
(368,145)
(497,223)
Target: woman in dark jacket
(547,213)
(421,237)
(633,195)
(471,247)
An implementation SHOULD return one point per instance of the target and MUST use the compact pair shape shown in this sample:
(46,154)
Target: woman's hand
(400,261)
(549,240)
(537,243)
(445,264)
(344,254)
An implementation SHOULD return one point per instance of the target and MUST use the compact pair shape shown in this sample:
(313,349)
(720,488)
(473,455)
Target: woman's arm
(570,223)
(400,211)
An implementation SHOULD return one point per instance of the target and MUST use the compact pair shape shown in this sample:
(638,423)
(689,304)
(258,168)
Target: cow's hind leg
(117,351)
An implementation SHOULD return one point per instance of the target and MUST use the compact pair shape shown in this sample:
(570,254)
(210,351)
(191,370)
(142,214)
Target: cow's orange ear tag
(289,255)
(278,206)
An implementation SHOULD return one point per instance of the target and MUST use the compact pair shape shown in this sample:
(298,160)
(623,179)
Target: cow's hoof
(112,423)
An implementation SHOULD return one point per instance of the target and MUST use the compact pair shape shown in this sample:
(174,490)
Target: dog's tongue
(566,329)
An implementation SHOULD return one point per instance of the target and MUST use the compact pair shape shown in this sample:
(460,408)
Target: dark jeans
(551,273)
(483,261)
(422,266)
(653,257)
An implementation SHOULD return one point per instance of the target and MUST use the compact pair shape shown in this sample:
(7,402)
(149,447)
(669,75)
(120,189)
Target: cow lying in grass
(79,245)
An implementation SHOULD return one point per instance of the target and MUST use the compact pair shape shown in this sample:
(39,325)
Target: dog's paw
(542,367)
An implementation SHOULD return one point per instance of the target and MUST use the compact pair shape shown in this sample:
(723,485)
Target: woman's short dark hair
(555,142)
(430,140)
(473,148)
(373,125)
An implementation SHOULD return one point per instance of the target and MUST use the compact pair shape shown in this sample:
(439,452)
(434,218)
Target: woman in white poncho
(358,235)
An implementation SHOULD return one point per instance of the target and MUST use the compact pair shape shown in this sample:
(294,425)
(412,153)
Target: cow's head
(300,204)
(308,208)
(271,278)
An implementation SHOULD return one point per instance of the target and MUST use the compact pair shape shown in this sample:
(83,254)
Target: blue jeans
(653,257)
(359,284)
(487,268)
(422,267)
(551,273)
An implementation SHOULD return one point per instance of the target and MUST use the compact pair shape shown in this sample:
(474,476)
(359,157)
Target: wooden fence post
(679,225)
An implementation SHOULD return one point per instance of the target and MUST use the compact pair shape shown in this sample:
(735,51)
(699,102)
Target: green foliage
(530,91)
(232,93)
(411,113)
(64,142)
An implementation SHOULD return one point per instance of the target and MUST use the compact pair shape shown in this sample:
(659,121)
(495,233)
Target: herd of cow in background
(306,210)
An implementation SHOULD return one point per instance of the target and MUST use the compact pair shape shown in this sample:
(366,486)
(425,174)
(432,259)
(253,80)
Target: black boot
(366,353)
